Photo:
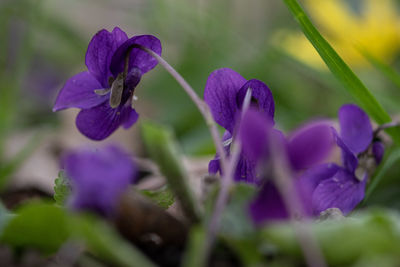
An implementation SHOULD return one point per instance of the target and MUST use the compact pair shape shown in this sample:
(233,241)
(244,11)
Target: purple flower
(303,149)
(224,93)
(343,187)
(98,178)
(105,91)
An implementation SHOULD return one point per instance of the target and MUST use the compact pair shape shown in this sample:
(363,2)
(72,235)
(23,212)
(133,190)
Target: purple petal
(246,171)
(214,166)
(355,128)
(78,92)
(100,122)
(98,178)
(350,161)
(310,179)
(129,117)
(342,191)
(254,131)
(261,97)
(220,95)
(137,58)
(100,51)
(268,205)
(310,145)
(378,149)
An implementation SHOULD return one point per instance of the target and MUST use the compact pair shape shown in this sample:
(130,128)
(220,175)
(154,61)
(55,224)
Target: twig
(201,105)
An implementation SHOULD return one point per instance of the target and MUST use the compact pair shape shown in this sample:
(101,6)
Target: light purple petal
(355,128)
(310,179)
(378,149)
(138,58)
(254,131)
(268,205)
(220,95)
(350,161)
(342,191)
(100,51)
(261,98)
(98,178)
(78,92)
(310,145)
(100,122)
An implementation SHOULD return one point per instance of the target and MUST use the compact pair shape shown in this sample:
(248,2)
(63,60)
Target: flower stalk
(226,183)
(201,105)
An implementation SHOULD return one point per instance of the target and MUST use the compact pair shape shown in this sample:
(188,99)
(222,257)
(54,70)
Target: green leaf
(163,197)
(62,188)
(40,226)
(235,221)
(340,70)
(106,244)
(163,149)
(237,229)
(343,242)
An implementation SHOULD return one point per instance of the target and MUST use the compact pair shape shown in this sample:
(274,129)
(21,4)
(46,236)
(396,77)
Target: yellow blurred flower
(376,28)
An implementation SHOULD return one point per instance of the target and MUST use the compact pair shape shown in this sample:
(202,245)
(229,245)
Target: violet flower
(104,93)
(224,93)
(343,187)
(306,147)
(98,178)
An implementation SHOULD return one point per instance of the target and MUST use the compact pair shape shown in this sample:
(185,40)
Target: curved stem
(226,183)
(303,232)
(201,105)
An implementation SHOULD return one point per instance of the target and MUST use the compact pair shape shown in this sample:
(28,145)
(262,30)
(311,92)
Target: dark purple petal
(78,92)
(100,51)
(350,161)
(268,205)
(310,145)
(137,58)
(98,178)
(378,149)
(254,131)
(100,122)
(129,117)
(310,179)
(246,171)
(355,128)
(261,98)
(214,166)
(342,191)
(220,95)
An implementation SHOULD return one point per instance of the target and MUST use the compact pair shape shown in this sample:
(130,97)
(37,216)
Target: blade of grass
(341,70)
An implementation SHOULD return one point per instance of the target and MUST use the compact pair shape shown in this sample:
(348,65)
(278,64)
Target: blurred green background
(43,43)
